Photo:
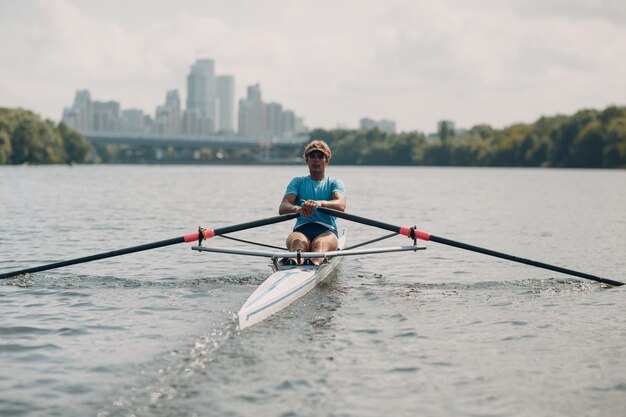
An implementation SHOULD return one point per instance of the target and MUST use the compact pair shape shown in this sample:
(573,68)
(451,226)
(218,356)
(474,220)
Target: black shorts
(312,230)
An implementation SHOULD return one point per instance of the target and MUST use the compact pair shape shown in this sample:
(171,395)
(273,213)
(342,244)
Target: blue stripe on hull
(304,284)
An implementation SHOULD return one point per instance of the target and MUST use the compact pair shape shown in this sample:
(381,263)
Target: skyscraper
(252,122)
(201,88)
(167,117)
(106,116)
(80,115)
(274,120)
(225,91)
(384,125)
(259,120)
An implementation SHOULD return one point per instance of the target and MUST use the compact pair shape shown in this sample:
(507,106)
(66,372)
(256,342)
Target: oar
(413,233)
(191,237)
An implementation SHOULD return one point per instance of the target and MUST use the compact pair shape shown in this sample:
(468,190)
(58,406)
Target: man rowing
(314,232)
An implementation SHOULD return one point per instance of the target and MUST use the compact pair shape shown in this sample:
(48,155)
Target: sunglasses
(316,154)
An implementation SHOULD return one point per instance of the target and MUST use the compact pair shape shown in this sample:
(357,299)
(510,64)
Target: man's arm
(337,203)
(287,205)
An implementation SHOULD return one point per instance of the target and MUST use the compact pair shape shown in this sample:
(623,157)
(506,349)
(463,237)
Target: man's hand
(308,206)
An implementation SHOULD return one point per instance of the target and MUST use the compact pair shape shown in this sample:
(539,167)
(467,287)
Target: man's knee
(297,241)
(324,243)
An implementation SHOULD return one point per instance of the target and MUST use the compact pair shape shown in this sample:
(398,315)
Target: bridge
(145,147)
(149,139)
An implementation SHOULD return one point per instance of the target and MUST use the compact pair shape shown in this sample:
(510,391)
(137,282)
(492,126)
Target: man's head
(318,146)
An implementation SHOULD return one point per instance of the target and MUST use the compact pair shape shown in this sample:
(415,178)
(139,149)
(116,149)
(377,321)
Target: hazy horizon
(413,62)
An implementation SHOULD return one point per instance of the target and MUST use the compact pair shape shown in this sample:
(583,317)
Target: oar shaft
(427,236)
(255,223)
(206,234)
(95,257)
(359,219)
(526,261)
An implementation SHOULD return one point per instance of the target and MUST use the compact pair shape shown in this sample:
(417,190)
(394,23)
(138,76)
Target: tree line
(26,138)
(587,139)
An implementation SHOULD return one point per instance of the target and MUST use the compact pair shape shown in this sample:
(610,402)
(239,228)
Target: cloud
(606,11)
(415,62)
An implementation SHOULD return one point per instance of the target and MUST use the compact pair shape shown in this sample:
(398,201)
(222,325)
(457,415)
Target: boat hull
(283,287)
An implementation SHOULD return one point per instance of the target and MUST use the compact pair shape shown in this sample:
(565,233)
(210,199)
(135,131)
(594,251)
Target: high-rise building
(274,120)
(225,92)
(300,127)
(195,124)
(172,101)
(79,116)
(167,119)
(384,125)
(289,124)
(93,116)
(259,120)
(133,121)
(106,116)
(201,95)
(252,121)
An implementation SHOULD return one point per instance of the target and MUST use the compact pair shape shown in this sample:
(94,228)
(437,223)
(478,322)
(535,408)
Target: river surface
(440,332)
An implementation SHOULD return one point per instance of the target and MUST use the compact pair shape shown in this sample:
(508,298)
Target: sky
(333,62)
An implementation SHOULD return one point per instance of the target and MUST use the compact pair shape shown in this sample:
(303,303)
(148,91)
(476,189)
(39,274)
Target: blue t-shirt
(305,188)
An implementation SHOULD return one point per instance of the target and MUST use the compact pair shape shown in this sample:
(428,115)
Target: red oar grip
(406,231)
(206,234)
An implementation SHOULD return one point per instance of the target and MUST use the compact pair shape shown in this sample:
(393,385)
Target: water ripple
(441,332)
(16,347)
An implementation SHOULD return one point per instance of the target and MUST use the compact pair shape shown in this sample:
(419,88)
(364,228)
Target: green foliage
(36,142)
(25,138)
(587,139)
(76,147)
(481,131)
(615,149)
(108,154)
(5,146)
(370,147)
(446,132)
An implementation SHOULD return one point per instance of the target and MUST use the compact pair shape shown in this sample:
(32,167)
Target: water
(441,332)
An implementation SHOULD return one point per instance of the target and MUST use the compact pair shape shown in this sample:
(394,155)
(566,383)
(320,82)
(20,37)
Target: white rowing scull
(287,283)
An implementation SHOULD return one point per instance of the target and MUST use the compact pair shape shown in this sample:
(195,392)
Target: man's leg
(297,240)
(323,243)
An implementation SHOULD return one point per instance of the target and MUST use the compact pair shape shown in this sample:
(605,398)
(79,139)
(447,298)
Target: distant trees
(5,145)
(76,147)
(370,147)
(587,139)
(25,138)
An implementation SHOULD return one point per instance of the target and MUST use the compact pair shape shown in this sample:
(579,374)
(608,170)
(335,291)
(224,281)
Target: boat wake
(523,287)
(104,282)
(168,384)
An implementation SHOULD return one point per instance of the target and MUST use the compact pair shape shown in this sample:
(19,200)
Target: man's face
(316,161)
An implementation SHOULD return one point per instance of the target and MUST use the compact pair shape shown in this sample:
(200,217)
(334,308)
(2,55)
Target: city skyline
(210,109)
(411,62)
